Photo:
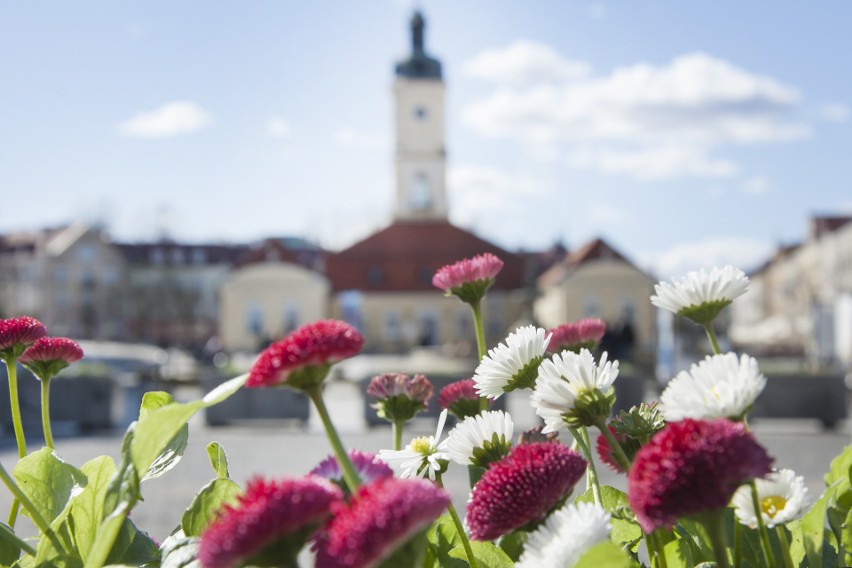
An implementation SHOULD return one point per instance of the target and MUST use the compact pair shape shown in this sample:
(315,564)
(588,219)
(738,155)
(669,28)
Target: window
(177,256)
(157,256)
(199,256)
(591,307)
(254,321)
(392,330)
(291,319)
(375,275)
(421,112)
(421,192)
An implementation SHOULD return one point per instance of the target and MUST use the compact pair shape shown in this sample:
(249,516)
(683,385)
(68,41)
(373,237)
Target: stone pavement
(280,449)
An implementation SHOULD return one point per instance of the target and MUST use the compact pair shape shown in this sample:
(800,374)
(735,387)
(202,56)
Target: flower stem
(617,450)
(350,476)
(785,546)
(481,348)
(471,559)
(18,541)
(45,413)
(768,556)
(38,520)
(581,436)
(714,524)
(738,545)
(12,372)
(397,426)
(711,335)
(659,546)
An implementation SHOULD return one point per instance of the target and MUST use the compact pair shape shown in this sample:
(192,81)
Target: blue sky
(685,133)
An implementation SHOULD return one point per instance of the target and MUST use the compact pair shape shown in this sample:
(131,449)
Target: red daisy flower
(302,358)
(690,467)
(605,450)
(49,355)
(16,334)
(585,333)
(468,278)
(383,517)
(460,398)
(270,523)
(523,488)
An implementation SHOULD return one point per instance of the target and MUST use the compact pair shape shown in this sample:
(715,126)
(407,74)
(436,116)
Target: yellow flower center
(772,504)
(421,445)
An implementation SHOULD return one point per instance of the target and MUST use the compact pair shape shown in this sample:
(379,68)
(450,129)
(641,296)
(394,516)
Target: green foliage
(441,538)
(625,530)
(606,554)
(640,422)
(218,459)
(488,555)
(207,503)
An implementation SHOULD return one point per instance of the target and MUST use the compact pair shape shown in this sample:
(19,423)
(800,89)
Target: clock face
(420,112)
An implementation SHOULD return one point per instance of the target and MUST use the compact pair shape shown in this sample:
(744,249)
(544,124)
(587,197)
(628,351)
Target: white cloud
(279,128)
(349,138)
(171,119)
(522,62)
(654,163)
(744,253)
(607,214)
(478,189)
(756,185)
(834,112)
(673,113)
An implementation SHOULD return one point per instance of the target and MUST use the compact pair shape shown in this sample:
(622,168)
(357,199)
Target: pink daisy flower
(398,396)
(468,278)
(460,398)
(270,523)
(16,334)
(49,355)
(383,517)
(523,488)
(691,467)
(585,333)
(302,358)
(367,465)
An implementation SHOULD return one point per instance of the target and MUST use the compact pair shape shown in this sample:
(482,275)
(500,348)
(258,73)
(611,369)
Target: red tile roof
(598,249)
(405,256)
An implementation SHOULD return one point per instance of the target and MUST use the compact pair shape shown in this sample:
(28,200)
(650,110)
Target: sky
(686,134)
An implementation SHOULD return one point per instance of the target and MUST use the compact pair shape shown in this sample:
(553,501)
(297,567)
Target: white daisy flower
(572,390)
(421,457)
(782,496)
(720,386)
(700,296)
(480,440)
(565,536)
(512,364)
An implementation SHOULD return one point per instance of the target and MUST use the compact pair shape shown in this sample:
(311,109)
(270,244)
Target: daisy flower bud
(692,467)
(522,489)
(16,334)
(480,440)
(565,536)
(468,279)
(700,296)
(398,396)
(368,467)
(375,528)
(269,525)
(512,365)
(303,358)
(720,386)
(49,355)
(584,334)
(782,497)
(573,391)
(460,398)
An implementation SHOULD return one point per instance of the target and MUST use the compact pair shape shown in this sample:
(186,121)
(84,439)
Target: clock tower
(420,153)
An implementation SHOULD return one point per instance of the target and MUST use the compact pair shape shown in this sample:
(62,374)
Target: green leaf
(178,551)
(10,545)
(442,537)
(133,547)
(49,482)
(809,533)
(218,459)
(678,554)
(606,554)
(152,400)
(488,555)
(87,509)
(513,544)
(625,530)
(207,504)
